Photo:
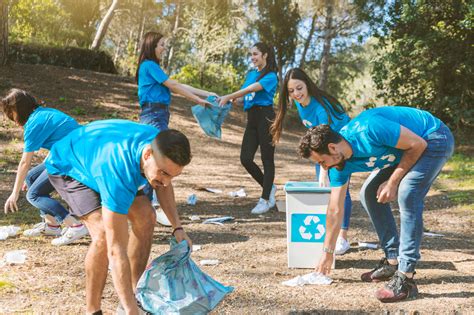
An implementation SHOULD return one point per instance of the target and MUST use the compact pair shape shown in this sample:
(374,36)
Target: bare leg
(142,218)
(96,261)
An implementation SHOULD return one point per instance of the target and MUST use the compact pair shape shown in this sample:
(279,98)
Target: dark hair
(18,105)
(327,101)
(147,49)
(271,65)
(174,145)
(317,139)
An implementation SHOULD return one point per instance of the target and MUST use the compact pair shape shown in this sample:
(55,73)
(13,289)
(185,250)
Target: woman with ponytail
(258,92)
(315,107)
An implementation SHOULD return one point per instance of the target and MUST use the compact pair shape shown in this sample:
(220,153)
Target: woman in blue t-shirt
(315,107)
(154,94)
(42,128)
(258,91)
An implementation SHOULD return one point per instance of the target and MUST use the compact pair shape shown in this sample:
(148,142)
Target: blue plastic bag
(211,118)
(174,284)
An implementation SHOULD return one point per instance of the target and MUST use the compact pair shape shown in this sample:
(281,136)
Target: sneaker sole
(412,296)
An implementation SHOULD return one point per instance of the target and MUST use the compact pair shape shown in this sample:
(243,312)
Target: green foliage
(427,61)
(215,77)
(78,111)
(278,26)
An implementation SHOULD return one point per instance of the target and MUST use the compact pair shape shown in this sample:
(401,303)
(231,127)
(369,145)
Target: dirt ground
(251,249)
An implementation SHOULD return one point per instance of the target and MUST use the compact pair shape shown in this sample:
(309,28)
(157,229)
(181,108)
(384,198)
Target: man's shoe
(400,287)
(261,207)
(42,229)
(70,235)
(272,198)
(342,246)
(161,217)
(384,271)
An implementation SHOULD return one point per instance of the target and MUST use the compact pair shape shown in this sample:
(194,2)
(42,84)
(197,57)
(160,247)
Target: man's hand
(325,264)
(204,103)
(386,192)
(10,204)
(180,235)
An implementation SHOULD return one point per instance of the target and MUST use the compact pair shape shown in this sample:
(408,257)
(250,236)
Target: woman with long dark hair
(315,107)
(154,92)
(258,92)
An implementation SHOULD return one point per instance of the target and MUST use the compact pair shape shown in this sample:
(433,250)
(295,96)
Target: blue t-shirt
(373,136)
(314,114)
(45,127)
(150,84)
(263,97)
(105,156)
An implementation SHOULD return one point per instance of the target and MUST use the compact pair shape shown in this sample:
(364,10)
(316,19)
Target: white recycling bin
(306,206)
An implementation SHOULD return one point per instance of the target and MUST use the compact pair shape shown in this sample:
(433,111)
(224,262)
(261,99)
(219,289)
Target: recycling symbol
(308,221)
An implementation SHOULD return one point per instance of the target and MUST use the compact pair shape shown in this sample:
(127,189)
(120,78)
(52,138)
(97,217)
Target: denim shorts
(156,115)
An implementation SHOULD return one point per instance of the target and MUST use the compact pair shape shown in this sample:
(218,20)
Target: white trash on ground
(310,278)
(368,245)
(433,234)
(196,248)
(214,190)
(192,199)
(195,218)
(238,193)
(15,256)
(8,231)
(209,262)
(218,221)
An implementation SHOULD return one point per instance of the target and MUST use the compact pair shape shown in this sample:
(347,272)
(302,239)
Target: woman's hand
(224,100)
(325,264)
(180,235)
(10,204)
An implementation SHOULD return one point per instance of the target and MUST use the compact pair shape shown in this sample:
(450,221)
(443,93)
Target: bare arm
(199,92)
(334,217)
(413,147)
(116,233)
(254,87)
(23,167)
(168,203)
(180,89)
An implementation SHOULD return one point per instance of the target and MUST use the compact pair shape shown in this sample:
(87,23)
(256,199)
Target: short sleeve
(269,82)
(156,72)
(338,178)
(34,138)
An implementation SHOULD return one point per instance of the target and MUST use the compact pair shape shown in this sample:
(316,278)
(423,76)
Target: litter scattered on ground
(310,278)
(192,199)
(15,257)
(214,190)
(209,262)
(238,193)
(218,221)
(368,245)
(195,218)
(8,231)
(433,234)
(196,248)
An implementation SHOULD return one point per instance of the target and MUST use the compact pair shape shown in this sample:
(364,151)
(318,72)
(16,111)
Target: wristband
(177,229)
(328,250)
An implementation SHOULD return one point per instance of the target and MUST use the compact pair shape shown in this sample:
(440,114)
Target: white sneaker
(42,229)
(261,207)
(272,199)
(342,246)
(70,235)
(161,217)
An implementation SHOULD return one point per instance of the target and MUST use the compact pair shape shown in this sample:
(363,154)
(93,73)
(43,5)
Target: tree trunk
(323,74)
(3,32)
(141,29)
(102,30)
(308,40)
(169,59)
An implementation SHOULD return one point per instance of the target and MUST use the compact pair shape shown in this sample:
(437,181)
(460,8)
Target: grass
(458,179)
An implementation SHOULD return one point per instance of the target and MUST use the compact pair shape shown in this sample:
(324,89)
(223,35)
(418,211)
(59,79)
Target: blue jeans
(347,203)
(158,116)
(39,193)
(411,194)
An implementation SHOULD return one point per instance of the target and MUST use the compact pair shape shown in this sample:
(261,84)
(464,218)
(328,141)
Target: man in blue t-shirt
(405,149)
(100,170)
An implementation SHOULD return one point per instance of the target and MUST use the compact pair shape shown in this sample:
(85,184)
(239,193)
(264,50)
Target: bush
(74,57)
(221,79)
